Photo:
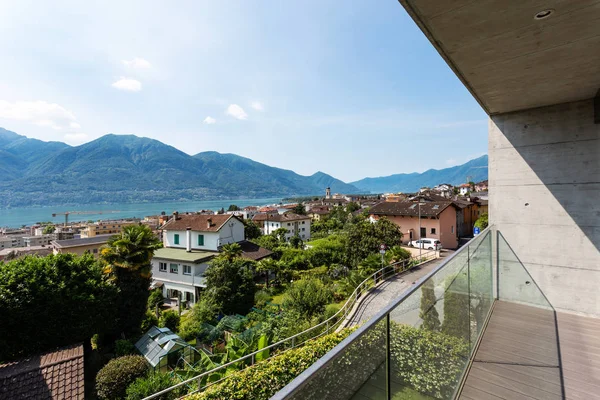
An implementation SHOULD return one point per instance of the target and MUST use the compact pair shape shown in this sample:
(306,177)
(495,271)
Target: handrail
(329,357)
(346,308)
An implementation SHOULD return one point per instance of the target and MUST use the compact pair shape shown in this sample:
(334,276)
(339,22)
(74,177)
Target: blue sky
(350,88)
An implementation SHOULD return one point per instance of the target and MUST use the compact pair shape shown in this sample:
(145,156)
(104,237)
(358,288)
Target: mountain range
(475,170)
(127,168)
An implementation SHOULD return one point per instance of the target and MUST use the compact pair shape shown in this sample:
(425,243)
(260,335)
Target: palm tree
(127,257)
(231,251)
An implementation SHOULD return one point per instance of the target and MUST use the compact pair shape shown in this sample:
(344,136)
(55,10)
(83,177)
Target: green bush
(204,311)
(155,299)
(124,348)
(330,311)
(261,298)
(482,221)
(153,383)
(265,378)
(114,378)
(170,319)
(149,321)
(308,297)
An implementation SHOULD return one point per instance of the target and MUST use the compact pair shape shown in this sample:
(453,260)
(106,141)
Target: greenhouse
(165,350)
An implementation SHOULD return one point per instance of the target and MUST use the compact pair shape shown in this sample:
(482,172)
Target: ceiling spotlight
(543,14)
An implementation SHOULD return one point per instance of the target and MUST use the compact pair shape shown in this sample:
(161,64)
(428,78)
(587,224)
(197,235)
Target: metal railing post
(388,359)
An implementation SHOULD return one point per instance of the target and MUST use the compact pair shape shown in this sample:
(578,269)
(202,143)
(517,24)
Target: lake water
(15,217)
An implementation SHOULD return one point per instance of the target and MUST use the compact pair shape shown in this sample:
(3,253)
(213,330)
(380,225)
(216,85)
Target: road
(391,289)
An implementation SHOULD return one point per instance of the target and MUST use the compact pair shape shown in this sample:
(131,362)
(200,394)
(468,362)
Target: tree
(231,251)
(280,233)
(428,313)
(251,229)
(170,319)
(299,209)
(47,302)
(204,311)
(352,206)
(233,207)
(482,221)
(230,284)
(307,297)
(48,229)
(396,254)
(155,299)
(296,242)
(364,238)
(127,257)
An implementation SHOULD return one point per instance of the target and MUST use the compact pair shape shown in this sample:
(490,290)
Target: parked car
(432,244)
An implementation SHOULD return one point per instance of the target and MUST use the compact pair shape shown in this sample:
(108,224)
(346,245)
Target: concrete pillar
(544,184)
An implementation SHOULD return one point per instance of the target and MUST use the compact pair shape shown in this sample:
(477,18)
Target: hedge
(114,378)
(266,378)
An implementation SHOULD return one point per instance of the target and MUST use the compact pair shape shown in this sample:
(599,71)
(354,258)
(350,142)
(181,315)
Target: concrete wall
(544,177)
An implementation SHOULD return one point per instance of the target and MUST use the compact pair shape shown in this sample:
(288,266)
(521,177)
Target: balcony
(477,327)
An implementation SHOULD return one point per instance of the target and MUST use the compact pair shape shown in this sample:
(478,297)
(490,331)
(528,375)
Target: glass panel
(481,286)
(514,282)
(360,368)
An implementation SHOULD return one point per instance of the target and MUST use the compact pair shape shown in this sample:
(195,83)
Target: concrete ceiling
(509,60)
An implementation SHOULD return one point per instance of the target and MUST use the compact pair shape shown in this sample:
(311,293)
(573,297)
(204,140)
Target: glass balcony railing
(421,346)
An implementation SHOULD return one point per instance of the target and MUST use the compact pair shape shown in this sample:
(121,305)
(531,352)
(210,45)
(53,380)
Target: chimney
(175,215)
(208,223)
(188,234)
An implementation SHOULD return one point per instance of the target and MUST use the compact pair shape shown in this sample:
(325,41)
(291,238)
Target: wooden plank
(529,376)
(470,392)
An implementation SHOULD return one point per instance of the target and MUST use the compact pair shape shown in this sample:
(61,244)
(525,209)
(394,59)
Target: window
(303,235)
(200,240)
(174,268)
(423,232)
(303,222)
(288,224)
(303,229)
(272,224)
(176,238)
(162,267)
(95,251)
(433,231)
(452,229)
(187,269)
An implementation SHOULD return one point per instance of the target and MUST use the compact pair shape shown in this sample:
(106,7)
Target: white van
(433,244)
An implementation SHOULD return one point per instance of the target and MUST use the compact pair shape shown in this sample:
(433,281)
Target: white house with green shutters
(190,241)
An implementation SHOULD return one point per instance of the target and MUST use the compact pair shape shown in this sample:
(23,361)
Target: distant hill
(127,168)
(477,169)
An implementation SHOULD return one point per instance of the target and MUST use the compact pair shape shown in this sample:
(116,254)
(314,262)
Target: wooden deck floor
(519,356)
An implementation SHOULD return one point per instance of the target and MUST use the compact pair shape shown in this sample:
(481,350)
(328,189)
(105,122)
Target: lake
(17,216)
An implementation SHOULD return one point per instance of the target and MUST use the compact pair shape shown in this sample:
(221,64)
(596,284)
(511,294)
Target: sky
(353,88)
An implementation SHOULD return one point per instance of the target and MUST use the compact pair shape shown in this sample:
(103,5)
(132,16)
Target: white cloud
(38,112)
(74,125)
(236,112)
(451,161)
(138,63)
(75,138)
(127,84)
(209,120)
(257,105)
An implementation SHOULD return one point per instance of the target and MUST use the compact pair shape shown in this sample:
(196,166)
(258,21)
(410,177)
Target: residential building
(396,197)
(465,189)
(444,189)
(208,231)
(17,252)
(106,227)
(533,68)
(80,246)
(438,219)
(8,242)
(294,224)
(318,212)
(38,240)
(190,242)
(481,186)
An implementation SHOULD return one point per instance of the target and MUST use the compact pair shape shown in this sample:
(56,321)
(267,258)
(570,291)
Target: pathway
(376,299)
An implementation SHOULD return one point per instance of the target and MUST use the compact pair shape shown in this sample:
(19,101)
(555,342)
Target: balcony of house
(477,327)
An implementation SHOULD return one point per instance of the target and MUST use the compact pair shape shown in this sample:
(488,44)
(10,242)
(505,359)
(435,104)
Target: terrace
(464,332)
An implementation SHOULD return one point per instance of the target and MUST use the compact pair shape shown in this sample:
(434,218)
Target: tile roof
(54,375)
(253,251)
(98,239)
(198,222)
(409,208)
(319,210)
